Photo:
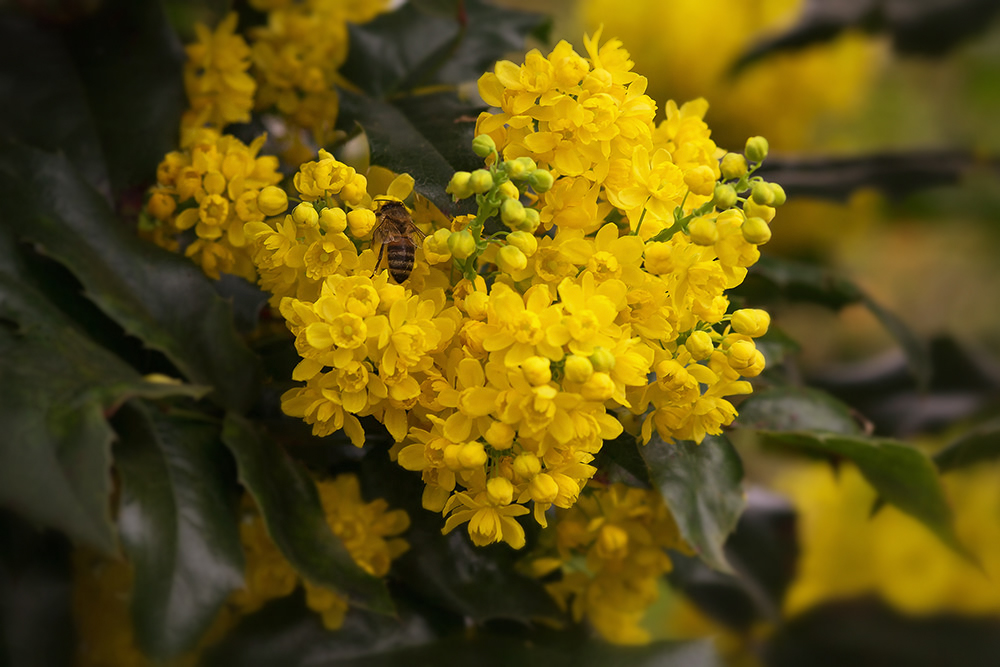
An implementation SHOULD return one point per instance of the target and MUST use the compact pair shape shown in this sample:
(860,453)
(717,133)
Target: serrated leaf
(157,296)
(701,486)
(178,524)
(900,474)
(289,503)
(982,443)
(796,408)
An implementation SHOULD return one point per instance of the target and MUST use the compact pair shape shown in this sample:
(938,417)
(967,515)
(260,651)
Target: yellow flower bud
(333,220)
(161,205)
(541,180)
(214,183)
(459,186)
(702,231)
(483,145)
(527,165)
(361,222)
(756,149)
(272,200)
(700,345)
(756,231)
(481,181)
(450,457)
(525,242)
(725,196)
(602,359)
(578,369)
(475,306)
(472,455)
(509,190)
(536,370)
(500,491)
(754,210)
(745,358)
(762,194)
(733,166)
(461,244)
(600,387)
(527,465)
(779,195)
(751,322)
(305,214)
(512,212)
(531,221)
(500,435)
(510,259)
(700,180)
(543,489)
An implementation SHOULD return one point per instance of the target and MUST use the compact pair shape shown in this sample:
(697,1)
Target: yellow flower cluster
(609,549)
(219,89)
(847,552)
(495,366)
(296,55)
(212,186)
(102,587)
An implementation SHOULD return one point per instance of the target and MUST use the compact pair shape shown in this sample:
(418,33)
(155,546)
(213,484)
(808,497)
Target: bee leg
(381,250)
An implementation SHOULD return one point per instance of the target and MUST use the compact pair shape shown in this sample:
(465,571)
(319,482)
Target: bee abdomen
(400,258)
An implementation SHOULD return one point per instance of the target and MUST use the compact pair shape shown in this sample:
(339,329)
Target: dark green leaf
(794,409)
(701,486)
(398,145)
(982,443)
(917,354)
(178,524)
(157,296)
(129,61)
(46,102)
(289,503)
(899,473)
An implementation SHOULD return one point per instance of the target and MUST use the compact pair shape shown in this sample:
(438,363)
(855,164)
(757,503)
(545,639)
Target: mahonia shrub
(588,291)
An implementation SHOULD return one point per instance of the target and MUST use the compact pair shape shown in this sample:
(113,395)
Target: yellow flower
(218,86)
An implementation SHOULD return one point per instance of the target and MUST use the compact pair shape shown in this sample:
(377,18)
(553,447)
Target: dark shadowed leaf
(794,409)
(157,296)
(177,522)
(289,503)
(899,473)
(982,443)
(701,486)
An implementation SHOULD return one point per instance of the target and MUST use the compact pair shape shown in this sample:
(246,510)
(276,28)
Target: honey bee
(397,237)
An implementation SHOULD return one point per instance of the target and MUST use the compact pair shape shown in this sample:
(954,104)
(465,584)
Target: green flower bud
(756,149)
(526,242)
(531,220)
(700,345)
(528,165)
(602,359)
(512,213)
(483,145)
(725,196)
(703,231)
(779,195)
(756,231)
(305,214)
(272,200)
(481,181)
(761,193)
(733,166)
(461,244)
(541,180)
(459,187)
